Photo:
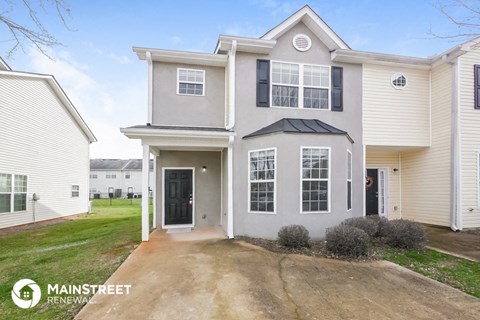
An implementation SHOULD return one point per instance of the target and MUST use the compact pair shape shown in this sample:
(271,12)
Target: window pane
(349,195)
(20,183)
(5,182)
(262,167)
(315,98)
(20,202)
(315,189)
(283,96)
(285,73)
(5,202)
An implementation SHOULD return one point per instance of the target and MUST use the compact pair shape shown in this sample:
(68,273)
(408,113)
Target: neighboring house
(44,150)
(297,128)
(118,175)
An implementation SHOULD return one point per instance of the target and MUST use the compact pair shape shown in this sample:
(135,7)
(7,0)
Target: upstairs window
(127,175)
(300,86)
(13,192)
(93,176)
(190,82)
(399,81)
(111,175)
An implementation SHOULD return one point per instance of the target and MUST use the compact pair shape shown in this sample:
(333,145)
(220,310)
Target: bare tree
(465,14)
(24,34)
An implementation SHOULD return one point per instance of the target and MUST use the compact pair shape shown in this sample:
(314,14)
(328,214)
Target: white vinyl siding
(469,119)
(261,181)
(52,161)
(395,117)
(426,179)
(315,180)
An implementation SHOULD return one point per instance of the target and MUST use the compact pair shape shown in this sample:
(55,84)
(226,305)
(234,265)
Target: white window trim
(274,182)
(396,75)
(384,191)
(191,82)
(301,85)
(12,193)
(350,180)
(329,180)
(71,191)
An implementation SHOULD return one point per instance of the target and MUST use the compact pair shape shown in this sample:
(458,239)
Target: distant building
(118,176)
(44,150)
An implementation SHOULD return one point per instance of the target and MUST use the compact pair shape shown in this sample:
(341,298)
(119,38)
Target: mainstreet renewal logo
(26,293)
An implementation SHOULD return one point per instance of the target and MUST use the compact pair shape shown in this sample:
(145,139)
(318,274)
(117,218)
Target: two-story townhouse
(117,176)
(260,134)
(297,128)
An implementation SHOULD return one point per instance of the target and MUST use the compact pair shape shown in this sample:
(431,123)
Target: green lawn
(85,250)
(456,272)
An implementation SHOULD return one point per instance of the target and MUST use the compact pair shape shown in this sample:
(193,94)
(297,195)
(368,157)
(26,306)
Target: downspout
(455,211)
(231,86)
(150,87)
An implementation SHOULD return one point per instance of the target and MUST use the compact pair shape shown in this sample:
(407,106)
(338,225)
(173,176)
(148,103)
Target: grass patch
(85,250)
(456,272)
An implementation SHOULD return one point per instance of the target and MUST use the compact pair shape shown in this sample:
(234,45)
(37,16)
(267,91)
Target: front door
(371,185)
(178,197)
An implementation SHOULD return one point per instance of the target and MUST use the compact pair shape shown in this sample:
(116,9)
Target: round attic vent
(302,42)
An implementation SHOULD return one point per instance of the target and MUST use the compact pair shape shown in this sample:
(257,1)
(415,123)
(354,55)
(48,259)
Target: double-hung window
(261,182)
(315,179)
(13,192)
(111,175)
(349,180)
(300,86)
(75,191)
(191,82)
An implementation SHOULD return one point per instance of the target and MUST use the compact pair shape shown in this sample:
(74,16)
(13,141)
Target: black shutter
(337,89)
(476,72)
(263,83)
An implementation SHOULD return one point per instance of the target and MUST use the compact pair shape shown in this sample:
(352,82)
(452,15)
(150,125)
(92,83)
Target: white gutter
(231,86)
(150,87)
(455,211)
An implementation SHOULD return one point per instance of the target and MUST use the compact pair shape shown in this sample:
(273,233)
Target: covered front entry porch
(193,177)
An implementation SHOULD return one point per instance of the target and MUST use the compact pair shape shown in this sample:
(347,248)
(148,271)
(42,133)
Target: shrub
(405,234)
(347,241)
(368,225)
(383,225)
(294,236)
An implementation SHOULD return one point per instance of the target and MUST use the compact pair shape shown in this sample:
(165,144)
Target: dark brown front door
(372,192)
(178,197)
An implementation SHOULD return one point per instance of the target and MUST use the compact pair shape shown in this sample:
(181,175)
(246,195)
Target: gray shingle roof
(117,164)
(290,125)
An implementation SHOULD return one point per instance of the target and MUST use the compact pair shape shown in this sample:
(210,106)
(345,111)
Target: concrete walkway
(464,244)
(225,279)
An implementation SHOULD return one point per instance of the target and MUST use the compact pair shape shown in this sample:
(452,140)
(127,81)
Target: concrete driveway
(224,279)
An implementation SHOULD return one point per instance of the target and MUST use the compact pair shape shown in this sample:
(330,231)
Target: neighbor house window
(399,81)
(93,176)
(127,175)
(315,179)
(13,192)
(191,82)
(349,180)
(75,190)
(300,85)
(111,175)
(261,182)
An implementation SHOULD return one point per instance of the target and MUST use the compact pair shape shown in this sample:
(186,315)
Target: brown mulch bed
(317,249)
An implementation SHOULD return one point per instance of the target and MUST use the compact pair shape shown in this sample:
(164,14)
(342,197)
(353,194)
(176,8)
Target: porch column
(153,186)
(230,188)
(145,198)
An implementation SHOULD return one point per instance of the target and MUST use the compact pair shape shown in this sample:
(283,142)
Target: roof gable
(314,23)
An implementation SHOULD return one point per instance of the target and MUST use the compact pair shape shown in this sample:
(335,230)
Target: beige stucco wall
(169,108)
(207,188)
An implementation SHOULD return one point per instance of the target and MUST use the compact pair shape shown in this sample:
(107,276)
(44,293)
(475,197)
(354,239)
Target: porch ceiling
(393,148)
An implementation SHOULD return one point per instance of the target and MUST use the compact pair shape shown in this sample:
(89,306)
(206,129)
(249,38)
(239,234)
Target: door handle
(190,200)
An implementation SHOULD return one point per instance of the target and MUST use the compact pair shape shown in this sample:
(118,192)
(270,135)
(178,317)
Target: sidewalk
(464,244)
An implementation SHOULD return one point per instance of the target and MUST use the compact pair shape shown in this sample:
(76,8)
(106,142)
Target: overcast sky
(107,83)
